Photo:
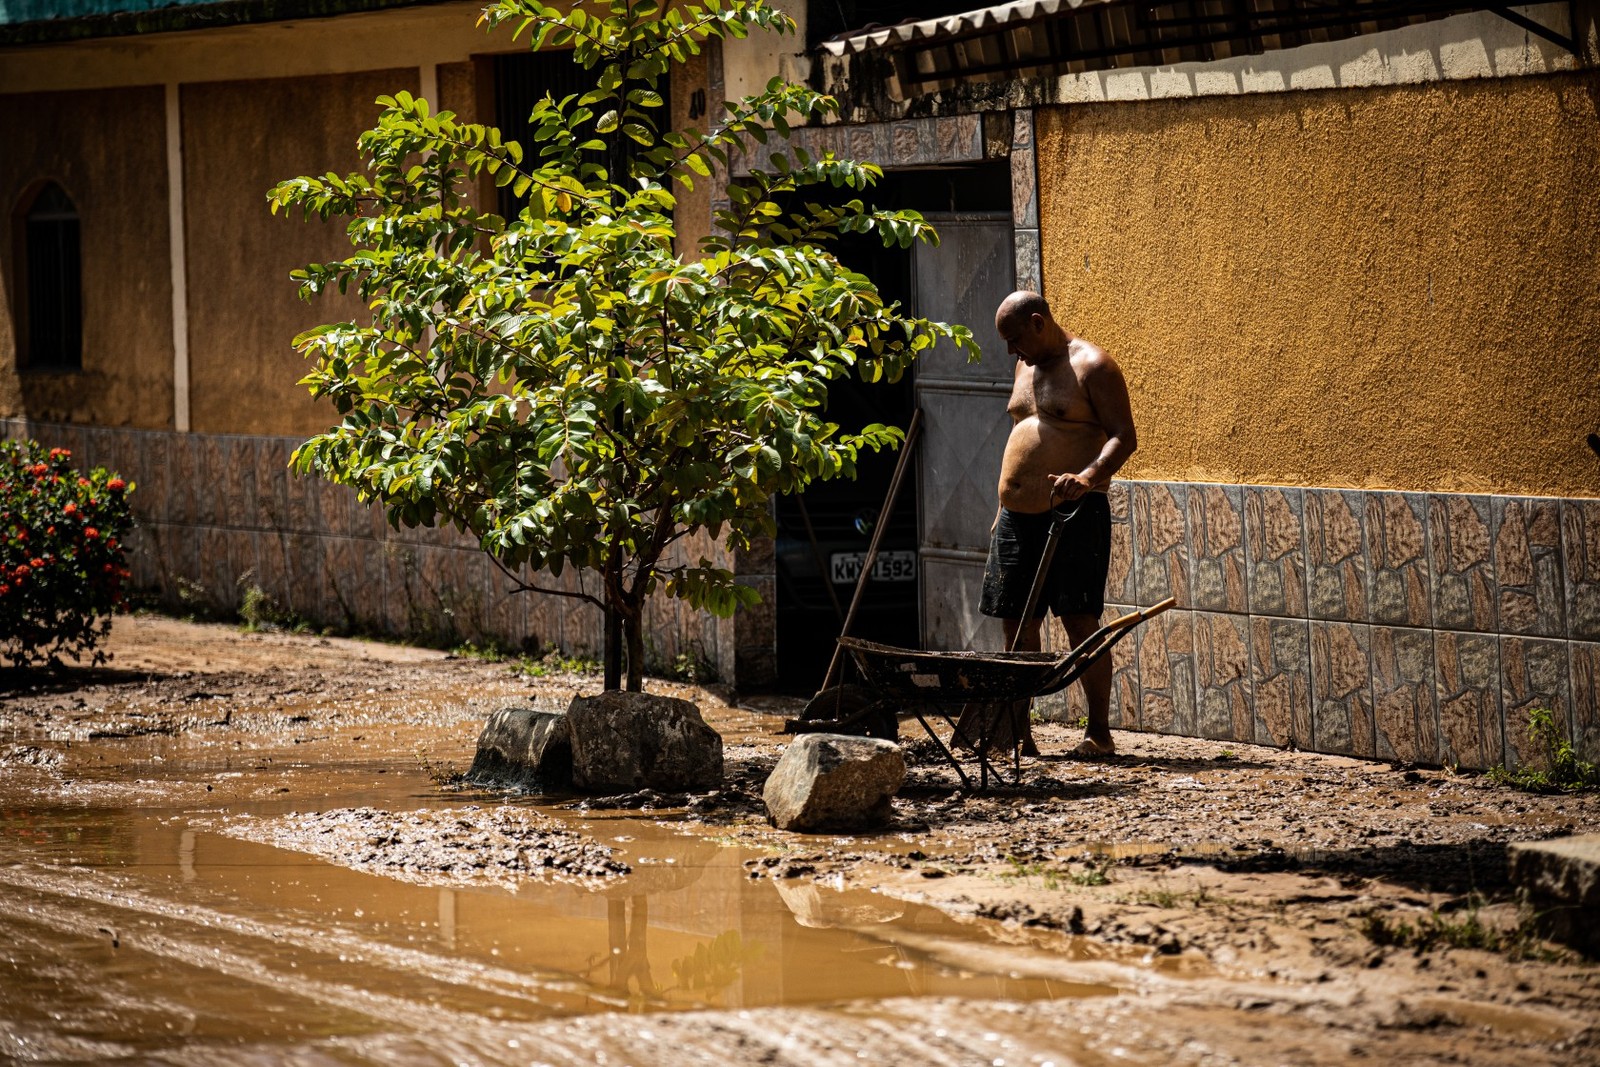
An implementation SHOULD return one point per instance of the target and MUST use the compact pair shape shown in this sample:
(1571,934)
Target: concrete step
(1562,880)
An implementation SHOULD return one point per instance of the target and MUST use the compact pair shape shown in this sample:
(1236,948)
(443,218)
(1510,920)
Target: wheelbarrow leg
(950,757)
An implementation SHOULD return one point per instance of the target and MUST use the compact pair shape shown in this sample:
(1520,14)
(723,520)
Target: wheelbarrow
(900,679)
(987,684)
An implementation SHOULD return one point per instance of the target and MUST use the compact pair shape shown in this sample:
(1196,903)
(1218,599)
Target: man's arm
(1108,392)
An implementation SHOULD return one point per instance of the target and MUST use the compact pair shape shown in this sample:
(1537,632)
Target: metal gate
(964,420)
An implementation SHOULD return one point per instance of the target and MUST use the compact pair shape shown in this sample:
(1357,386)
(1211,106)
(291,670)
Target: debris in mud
(31,755)
(439,846)
(643,800)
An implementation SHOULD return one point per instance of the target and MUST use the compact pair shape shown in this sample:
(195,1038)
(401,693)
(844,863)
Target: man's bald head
(1023,304)
(1030,332)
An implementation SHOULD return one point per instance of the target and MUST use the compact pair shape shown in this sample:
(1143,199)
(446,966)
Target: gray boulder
(834,782)
(630,741)
(525,748)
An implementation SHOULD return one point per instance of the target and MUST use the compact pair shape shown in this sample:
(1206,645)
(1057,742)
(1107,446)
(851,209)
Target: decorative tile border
(1222,676)
(1338,578)
(1161,553)
(1533,674)
(1166,684)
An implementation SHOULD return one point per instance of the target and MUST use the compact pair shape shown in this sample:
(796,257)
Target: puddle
(146,928)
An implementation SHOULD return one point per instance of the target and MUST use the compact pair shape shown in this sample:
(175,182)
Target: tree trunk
(633,625)
(613,649)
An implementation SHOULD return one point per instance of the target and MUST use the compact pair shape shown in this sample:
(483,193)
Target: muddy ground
(1246,905)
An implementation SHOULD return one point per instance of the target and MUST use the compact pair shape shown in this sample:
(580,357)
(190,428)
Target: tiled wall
(1403,626)
(220,514)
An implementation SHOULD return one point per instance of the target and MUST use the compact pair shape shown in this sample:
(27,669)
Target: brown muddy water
(150,930)
(232,848)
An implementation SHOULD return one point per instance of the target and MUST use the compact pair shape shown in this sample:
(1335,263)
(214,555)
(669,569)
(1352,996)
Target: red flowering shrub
(62,566)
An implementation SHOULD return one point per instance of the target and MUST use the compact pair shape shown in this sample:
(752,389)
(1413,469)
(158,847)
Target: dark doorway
(817,569)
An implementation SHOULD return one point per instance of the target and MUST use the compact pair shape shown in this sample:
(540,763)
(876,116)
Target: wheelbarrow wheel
(851,709)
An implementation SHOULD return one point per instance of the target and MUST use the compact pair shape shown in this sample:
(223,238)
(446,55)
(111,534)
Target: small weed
(1160,897)
(1021,869)
(1565,773)
(260,612)
(1225,755)
(1081,722)
(1438,929)
(1432,930)
(554,662)
(693,668)
(1095,874)
(191,594)
(486,653)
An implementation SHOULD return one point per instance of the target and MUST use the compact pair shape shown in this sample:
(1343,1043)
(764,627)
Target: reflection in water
(628,926)
(222,940)
(447,918)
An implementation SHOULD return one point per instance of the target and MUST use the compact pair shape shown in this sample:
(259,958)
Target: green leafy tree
(564,384)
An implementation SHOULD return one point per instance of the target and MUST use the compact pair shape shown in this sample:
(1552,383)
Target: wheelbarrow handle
(1099,643)
(1140,616)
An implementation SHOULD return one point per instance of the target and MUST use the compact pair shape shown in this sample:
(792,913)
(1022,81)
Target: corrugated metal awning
(982,20)
(1072,36)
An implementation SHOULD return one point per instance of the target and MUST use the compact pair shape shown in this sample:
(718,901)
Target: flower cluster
(63,570)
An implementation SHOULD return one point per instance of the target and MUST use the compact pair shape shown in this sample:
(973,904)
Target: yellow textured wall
(240,139)
(107,149)
(1387,288)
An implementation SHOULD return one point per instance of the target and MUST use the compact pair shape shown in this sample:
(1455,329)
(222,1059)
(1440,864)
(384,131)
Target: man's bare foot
(1089,748)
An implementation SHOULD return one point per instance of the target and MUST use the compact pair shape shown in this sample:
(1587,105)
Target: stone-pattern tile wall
(220,514)
(1401,626)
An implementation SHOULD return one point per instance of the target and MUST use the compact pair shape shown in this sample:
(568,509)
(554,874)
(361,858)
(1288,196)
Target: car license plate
(888,567)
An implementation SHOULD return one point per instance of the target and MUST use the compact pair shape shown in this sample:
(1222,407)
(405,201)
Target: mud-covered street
(248,848)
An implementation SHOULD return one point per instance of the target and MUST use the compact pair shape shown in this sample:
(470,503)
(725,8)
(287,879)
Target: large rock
(834,782)
(525,748)
(628,741)
(1562,881)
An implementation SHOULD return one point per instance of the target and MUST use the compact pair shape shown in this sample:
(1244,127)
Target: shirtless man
(1072,429)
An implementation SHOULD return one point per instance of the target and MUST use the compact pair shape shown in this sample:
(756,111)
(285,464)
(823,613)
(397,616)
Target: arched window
(52,277)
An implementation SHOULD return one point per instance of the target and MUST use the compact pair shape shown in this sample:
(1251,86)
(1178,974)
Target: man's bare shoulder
(1089,358)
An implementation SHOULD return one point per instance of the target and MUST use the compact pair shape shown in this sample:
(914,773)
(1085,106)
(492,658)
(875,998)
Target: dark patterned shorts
(1076,584)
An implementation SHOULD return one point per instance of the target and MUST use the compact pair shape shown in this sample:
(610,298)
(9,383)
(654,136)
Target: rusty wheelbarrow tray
(901,679)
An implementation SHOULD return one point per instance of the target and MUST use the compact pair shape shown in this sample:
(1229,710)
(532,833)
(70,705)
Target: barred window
(52,277)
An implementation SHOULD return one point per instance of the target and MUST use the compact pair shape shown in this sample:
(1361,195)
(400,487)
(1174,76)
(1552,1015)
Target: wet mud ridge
(460,844)
(248,848)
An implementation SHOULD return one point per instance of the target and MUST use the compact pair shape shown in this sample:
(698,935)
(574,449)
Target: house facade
(1348,263)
